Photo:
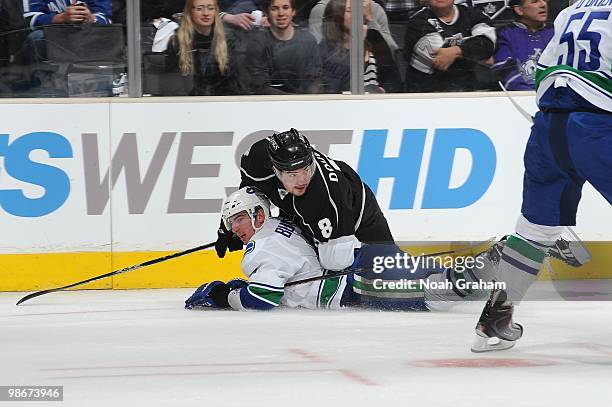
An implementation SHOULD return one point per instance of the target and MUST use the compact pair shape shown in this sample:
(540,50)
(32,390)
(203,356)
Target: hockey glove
(226,240)
(209,295)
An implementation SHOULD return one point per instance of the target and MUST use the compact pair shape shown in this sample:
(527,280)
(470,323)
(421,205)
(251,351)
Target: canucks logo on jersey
(249,247)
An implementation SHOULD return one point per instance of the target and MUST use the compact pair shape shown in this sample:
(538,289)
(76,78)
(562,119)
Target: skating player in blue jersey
(570,144)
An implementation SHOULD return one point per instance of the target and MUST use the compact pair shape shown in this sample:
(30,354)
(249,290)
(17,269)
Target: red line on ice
(350,374)
(308,355)
(357,377)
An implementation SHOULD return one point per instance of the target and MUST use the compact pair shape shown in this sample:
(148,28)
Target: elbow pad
(338,254)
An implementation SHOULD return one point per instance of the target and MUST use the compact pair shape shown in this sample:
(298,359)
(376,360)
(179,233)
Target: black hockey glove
(226,240)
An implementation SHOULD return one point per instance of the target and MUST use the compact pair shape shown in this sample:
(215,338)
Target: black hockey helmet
(289,150)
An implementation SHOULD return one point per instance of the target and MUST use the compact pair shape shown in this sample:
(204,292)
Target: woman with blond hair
(200,50)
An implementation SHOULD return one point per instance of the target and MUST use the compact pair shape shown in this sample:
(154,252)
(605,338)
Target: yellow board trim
(32,272)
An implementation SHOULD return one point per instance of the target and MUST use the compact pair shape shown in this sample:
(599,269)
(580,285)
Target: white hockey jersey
(278,254)
(580,53)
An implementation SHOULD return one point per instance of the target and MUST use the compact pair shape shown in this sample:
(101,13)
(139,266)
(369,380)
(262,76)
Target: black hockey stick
(117,272)
(359,270)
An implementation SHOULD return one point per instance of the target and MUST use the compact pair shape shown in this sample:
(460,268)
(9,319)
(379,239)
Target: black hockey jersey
(335,204)
(470,29)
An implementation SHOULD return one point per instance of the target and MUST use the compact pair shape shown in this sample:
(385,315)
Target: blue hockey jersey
(41,12)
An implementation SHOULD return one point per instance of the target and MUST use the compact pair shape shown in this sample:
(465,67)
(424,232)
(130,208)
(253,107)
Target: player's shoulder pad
(255,162)
(258,250)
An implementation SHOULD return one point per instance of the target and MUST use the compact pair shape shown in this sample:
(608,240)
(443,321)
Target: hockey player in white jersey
(276,253)
(570,143)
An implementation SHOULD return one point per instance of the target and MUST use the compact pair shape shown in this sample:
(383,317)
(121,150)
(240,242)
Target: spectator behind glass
(283,59)
(498,11)
(12,32)
(239,13)
(521,43)
(39,13)
(200,49)
(444,45)
(44,12)
(376,19)
(380,74)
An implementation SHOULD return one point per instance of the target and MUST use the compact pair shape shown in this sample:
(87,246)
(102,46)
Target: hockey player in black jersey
(326,198)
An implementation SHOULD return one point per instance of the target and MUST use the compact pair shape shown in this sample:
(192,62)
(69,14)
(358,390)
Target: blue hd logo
(19,166)
(405,169)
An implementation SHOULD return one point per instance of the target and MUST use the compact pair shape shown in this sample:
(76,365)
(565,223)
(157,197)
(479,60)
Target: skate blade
(484,344)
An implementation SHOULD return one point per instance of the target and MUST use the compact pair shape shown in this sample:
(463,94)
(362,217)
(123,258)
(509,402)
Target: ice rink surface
(141,348)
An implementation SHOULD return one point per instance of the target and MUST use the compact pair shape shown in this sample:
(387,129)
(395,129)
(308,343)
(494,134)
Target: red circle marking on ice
(480,363)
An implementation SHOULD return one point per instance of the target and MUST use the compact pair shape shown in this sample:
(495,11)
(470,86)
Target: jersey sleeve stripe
(363,196)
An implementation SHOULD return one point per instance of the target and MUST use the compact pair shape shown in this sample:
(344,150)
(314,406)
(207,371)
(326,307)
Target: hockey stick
(117,272)
(522,111)
(359,270)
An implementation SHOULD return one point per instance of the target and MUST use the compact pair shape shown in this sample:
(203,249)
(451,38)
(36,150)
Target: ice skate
(495,329)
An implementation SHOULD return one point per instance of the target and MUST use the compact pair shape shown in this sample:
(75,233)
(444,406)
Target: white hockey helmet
(246,199)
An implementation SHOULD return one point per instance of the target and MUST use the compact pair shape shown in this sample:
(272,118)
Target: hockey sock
(519,265)
(523,256)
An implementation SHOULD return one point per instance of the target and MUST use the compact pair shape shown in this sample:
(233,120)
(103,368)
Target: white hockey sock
(519,265)
(523,256)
